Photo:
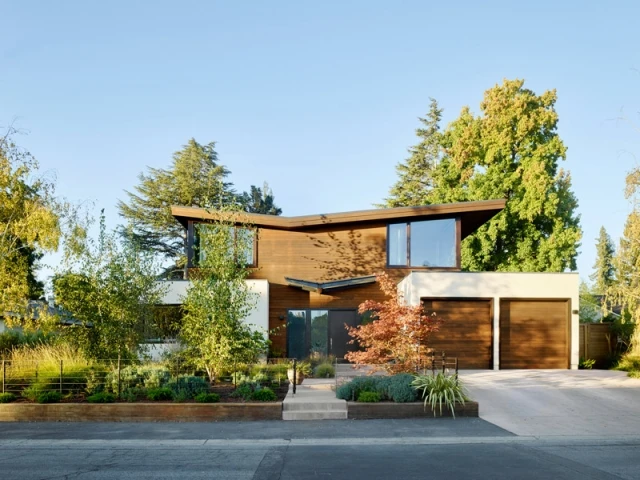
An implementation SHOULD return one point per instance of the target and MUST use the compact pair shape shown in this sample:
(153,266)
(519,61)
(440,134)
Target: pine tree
(195,178)
(259,200)
(603,276)
(415,183)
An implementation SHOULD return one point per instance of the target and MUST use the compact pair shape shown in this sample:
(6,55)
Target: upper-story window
(242,241)
(429,243)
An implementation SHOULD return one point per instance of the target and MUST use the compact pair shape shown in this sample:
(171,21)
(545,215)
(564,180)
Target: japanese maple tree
(396,339)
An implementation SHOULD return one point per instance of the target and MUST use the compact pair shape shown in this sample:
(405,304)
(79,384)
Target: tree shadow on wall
(346,254)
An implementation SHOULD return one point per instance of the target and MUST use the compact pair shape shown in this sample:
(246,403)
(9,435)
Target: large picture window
(429,243)
(237,236)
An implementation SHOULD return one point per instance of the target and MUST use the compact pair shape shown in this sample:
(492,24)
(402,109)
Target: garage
(465,332)
(534,333)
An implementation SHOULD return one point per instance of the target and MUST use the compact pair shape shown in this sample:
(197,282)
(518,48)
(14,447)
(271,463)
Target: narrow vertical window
(397,244)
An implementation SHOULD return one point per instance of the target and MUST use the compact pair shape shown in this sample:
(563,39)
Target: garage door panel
(465,331)
(534,334)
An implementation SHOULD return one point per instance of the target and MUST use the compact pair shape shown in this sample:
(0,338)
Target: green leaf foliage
(7,397)
(195,178)
(49,397)
(440,390)
(207,398)
(108,288)
(264,395)
(159,394)
(214,332)
(102,397)
(510,151)
(259,200)
(369,397)
(604,270)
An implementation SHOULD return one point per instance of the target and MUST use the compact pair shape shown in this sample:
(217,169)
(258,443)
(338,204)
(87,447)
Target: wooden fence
(596,342)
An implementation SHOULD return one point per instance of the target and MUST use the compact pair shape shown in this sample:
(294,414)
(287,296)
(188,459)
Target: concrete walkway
(557,402)
(314,400)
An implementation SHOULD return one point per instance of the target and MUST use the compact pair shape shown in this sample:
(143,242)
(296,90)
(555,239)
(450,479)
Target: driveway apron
(557,402)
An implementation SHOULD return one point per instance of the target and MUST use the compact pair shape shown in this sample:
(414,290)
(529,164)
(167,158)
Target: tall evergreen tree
(195,178)
(511,151)
(415,182)
(259,200)
(603,276)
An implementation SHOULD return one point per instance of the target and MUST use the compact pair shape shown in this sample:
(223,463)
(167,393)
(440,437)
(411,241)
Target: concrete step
(337,405)
(314,415)
(318,386)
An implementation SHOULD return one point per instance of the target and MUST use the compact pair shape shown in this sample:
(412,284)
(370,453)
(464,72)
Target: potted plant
(303,369)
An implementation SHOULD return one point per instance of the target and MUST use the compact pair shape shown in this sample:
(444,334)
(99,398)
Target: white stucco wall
(259,317)
(497,285)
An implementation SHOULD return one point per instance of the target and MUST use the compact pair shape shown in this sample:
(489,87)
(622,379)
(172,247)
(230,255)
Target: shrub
(32,392)
(324,370)
(264,395)
(7,397)
(400,389)
(629,363)
(586,363)
(134,394)
(12,339)
(350,391)
(186,387)
(207,398)
(243,391)
(159,394)
(148,376)
(440,389)
(49,397)
(102,397)
(369,397)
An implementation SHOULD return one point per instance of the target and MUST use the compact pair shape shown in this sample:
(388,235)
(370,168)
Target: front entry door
(339,337)
(319,332)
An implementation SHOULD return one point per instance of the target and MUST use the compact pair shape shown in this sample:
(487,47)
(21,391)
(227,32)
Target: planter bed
(362,411)
(139,412)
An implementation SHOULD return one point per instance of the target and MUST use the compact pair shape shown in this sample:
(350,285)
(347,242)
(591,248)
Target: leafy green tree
(511,151)
(195,178)
(625,291)
(31,223)
(415,182)
(603,276)
(590,309)
(259,200)
(107,288)
(214,332)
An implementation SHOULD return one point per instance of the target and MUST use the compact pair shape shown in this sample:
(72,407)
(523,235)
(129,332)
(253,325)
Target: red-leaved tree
(396,339)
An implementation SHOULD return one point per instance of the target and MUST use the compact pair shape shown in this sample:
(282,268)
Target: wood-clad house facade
(319,268)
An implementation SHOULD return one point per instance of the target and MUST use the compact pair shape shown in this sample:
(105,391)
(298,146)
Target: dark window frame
(192,248)
(407,265)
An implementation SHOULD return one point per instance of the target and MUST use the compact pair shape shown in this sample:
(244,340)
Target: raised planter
(363,411)
(139,412)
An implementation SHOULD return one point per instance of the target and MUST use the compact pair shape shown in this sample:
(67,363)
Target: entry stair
(314,399)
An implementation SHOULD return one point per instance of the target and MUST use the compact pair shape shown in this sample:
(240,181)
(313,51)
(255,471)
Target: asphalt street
(406,449)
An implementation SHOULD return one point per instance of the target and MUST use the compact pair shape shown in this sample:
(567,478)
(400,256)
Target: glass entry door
(319,332)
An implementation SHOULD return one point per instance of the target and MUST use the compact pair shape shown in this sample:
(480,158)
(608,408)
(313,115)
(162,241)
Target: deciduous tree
(107,289)
(214,331)
(396,340)
(30,224)
(511,151)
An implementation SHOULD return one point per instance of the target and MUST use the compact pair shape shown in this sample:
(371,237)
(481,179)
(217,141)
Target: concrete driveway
(557,402)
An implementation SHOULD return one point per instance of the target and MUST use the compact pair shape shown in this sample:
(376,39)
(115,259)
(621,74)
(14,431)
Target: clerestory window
(428,243)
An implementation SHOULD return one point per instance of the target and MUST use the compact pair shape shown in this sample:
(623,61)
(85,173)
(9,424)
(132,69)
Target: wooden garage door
(466,330)
(534,334)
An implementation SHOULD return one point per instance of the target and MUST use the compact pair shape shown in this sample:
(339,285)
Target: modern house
(312,272)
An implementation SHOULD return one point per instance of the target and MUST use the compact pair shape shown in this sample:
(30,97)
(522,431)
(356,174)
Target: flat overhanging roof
(472,215)
(321,287)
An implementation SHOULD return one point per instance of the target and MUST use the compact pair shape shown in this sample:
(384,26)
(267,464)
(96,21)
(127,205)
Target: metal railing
(121,376)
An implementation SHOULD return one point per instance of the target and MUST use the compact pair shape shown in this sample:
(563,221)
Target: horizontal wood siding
(465,332)
(534,333)
(323,255)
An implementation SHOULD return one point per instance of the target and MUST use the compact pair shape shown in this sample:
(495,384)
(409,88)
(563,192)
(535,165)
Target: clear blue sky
(320,99)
